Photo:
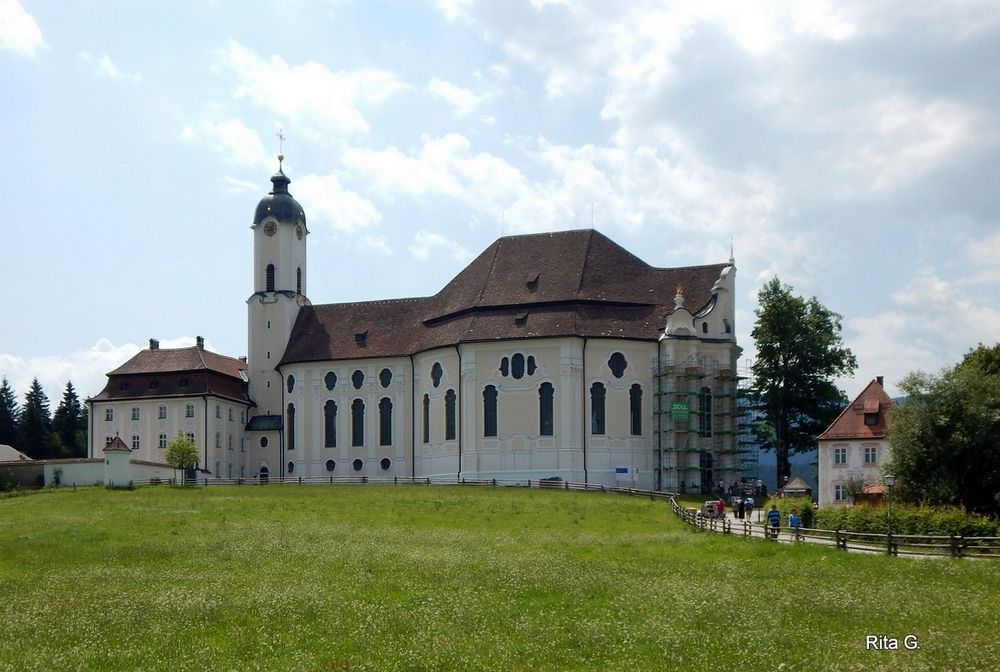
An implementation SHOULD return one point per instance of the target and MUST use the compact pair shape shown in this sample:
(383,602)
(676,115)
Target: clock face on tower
(270,229)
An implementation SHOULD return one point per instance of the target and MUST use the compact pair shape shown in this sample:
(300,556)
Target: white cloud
(425,243)
(931,323)
(87,369)
(105,67)
(376,244)
(239,145)
(330,203)
(463,100)
(317,100)
(19,32)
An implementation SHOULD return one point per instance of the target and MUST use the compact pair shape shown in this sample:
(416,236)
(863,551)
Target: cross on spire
(281,142)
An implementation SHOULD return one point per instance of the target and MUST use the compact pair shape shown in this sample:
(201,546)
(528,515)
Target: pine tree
(34,427)
(66,424)
(8,414)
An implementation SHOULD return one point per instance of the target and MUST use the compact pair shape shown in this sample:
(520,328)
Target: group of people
(742,507)
(774,523)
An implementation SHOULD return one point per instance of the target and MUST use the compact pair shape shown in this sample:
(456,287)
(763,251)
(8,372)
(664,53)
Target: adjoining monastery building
(549,355)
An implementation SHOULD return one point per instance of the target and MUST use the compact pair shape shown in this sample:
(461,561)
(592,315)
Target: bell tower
(279,284)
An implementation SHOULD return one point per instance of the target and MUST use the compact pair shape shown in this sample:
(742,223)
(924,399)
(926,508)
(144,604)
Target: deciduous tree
(182,453)
(799,352)
(944,436)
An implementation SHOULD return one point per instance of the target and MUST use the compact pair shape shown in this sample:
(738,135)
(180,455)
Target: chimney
(154,344)
(200,342)
(879,380)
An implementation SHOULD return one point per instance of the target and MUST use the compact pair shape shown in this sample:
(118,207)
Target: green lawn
(412,577)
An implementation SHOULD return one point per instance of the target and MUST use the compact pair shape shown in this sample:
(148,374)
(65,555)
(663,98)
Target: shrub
(803,505)
(907,519)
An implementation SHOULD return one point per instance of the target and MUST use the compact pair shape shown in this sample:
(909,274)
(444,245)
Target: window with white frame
(839,492)
(135,442)
(163,441)
(218,440)
(840,455)
(230,442)
(218,411)
(190,437)
(230,414)
(135,412)
(109,415)
(871,454)
(189,411)
(162,412)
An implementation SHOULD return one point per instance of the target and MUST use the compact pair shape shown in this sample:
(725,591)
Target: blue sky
(851,149)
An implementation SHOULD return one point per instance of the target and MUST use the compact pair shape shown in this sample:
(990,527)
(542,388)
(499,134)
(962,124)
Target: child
(793,522)
(774,520)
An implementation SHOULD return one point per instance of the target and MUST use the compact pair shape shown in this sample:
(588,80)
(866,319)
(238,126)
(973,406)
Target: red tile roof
(571,283)
(850,424)
(176,372)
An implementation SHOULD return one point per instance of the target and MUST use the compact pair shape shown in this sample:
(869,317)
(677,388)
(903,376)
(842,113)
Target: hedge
(907,519)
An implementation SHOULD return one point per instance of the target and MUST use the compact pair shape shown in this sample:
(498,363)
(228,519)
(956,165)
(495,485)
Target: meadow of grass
(434,578)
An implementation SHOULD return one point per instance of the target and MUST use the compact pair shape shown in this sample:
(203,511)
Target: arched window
(545,409)
(330,424)
(298,280)
(291,427)
(427,419)
(490,411)
(270,277)
(597,395)
(635,409)
(357,422)
(517,366)
(705,412)
(385,421)
(449,415)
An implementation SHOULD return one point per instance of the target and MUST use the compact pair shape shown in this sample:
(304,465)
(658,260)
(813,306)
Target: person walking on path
(774,520)
(741,508)
(748,507)
(793,522)
(720,508)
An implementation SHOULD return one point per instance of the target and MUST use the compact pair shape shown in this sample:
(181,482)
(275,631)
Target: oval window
(385,463)
(517,366)
(330,465)
(291,383)
(330,379)
(385,377)
(263,442)
(291,467)
(436,373)
(617,364)
(357,464)
(357,379)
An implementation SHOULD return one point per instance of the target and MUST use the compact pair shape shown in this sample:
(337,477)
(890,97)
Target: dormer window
(532,282)
(871,419)
(361,337)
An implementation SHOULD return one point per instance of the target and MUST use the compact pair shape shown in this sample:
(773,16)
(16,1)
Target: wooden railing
(956,546)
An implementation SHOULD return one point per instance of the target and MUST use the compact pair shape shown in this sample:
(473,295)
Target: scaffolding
(698,435)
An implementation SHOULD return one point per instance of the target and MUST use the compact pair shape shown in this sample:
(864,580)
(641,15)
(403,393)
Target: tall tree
(182,454)
(66,424)
(8,414)
(799,352)
(944,441)
(34,427)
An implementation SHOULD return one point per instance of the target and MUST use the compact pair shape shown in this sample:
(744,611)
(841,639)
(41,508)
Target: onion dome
(279,204)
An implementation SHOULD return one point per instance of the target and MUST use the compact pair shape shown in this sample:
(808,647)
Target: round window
(357,464)
(263,442)
(330,465)
(385,463)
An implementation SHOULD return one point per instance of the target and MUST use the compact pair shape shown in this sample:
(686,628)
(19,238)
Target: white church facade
(550,355)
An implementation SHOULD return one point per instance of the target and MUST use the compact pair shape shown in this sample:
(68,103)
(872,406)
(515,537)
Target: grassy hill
(434,578)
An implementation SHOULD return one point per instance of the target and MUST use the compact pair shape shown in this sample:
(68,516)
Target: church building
(550,355)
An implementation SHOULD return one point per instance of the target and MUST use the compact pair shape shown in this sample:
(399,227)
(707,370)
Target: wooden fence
(956,546)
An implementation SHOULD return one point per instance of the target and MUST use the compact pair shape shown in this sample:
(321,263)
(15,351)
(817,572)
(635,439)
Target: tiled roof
(176,372)
(572,283)
(11,454)
(175,360)
(850,424)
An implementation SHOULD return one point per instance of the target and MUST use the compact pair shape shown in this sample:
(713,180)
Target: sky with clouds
(850,148)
